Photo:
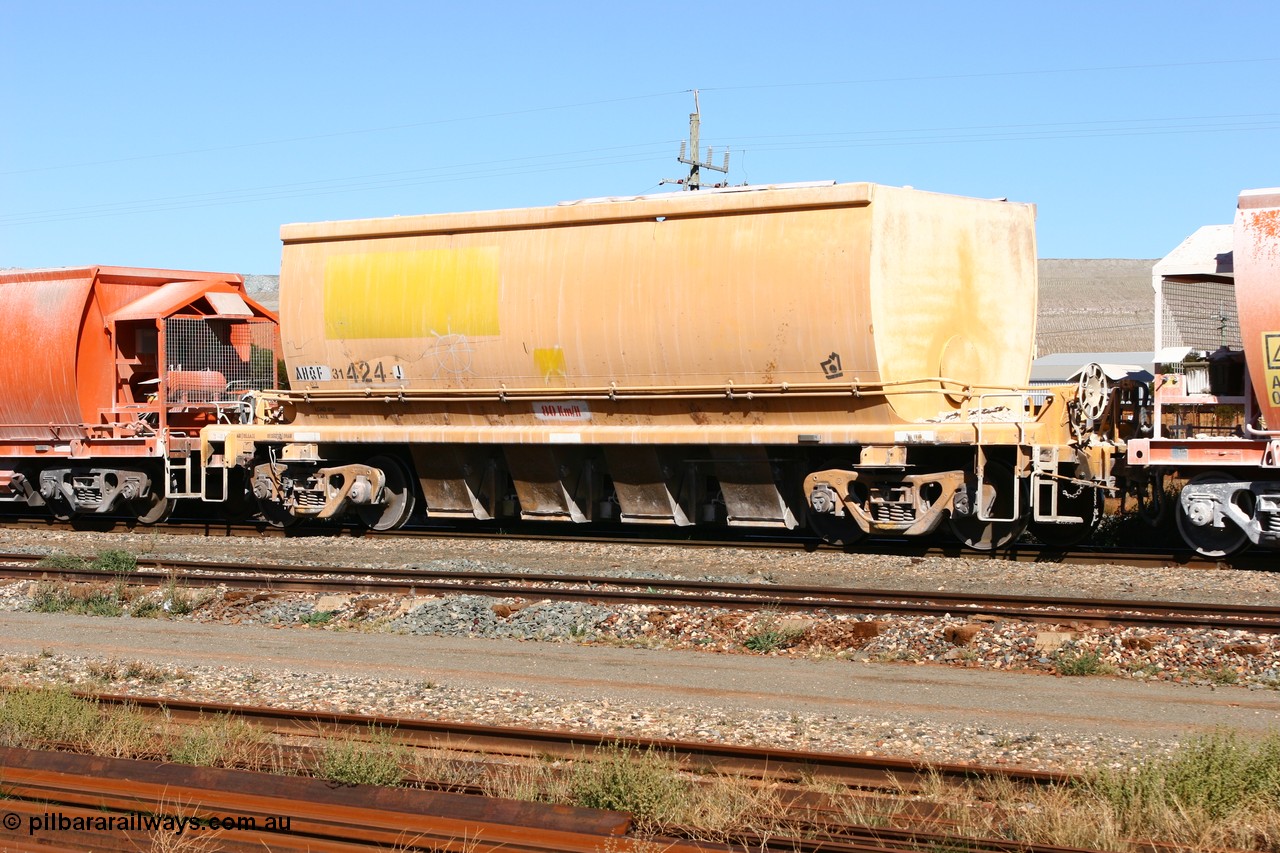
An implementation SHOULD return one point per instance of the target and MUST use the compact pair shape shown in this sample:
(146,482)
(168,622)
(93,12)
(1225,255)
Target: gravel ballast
(1207,666)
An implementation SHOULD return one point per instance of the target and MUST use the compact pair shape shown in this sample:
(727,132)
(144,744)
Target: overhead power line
(920,78)
(339,133)
(621,99)
(649,152)
(329,186)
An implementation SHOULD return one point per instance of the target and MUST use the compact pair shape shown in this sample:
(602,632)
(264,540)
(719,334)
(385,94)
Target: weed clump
(145,608)
(771,640)
(1078,663)
(221,742)
(1216,784)
(87,600)
(115,561)
(771,634)
(376,761)
(177,600)
(644,783)
(64,563)
(35,719)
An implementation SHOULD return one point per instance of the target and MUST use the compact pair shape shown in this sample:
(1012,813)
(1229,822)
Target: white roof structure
(1194,285)
(1207,252)
(1063,367)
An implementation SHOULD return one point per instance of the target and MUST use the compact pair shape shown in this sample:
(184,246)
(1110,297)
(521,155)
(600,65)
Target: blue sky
(184,134)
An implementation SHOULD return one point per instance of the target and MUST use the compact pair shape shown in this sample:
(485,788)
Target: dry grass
(1220,791)
(653,788)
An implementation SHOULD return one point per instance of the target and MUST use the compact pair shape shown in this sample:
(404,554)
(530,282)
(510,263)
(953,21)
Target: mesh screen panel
(216,361)
(1200,315)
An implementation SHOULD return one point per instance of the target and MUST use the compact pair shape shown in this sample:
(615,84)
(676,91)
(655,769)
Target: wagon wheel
(276,515)
(1152,505)
(996,499)
(835,529)
(240,504)
(1206,539)
(397,493)
(829,527)
(154,508)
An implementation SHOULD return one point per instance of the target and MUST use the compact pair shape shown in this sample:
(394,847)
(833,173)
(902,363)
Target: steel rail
(111,804)
(321,828)
(322,816)
(557,532)
(878,773)
(672,592)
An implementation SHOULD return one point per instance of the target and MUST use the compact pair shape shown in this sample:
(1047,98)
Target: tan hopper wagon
(851,357)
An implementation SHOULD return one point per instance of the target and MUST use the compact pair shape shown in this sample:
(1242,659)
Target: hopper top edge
(1253,199)
(779,196)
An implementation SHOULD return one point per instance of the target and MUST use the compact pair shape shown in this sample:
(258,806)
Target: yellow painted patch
(549,361)
(1271,349)
(429,293)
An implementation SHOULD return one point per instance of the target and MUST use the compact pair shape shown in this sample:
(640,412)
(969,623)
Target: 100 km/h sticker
(1271,346)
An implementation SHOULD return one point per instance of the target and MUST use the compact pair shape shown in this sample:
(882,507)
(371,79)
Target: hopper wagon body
(853,357)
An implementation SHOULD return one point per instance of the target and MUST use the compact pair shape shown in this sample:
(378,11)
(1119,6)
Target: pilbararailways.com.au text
(144,822)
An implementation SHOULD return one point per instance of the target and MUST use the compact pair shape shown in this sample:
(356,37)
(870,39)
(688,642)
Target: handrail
(731,391)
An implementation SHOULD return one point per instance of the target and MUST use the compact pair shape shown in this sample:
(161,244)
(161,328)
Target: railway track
(64,801)
(666,592)
(51,793)
(51,790)
(535,532)
(757,762)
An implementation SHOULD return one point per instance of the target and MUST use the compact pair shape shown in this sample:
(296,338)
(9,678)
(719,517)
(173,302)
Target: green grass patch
(1217,777)
(1222,675)
(145,608)
(771,640)
(64,563)
(177,600)
(34,718)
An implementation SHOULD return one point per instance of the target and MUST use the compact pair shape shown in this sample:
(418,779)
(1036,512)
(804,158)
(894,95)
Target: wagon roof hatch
(172,298)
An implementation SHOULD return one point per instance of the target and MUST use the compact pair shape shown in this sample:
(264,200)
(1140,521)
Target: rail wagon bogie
(122,368)
(851,357)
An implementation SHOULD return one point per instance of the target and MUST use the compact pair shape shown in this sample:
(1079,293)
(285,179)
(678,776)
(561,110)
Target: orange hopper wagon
(124,367)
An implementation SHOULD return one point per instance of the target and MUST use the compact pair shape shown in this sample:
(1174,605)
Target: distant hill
(265,289)
(1095,306)
(1085,305)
